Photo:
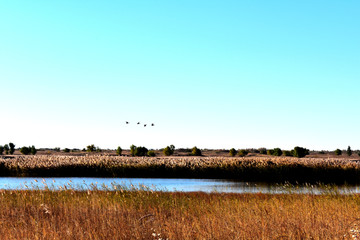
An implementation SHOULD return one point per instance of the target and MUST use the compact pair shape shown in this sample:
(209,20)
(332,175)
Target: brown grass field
(143,214)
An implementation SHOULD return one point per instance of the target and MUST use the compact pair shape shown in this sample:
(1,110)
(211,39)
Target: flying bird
(138,123)
(144,125)
(127,122)
(152,124)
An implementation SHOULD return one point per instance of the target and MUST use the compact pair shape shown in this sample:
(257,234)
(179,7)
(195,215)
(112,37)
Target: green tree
(33,150)
(232,152)
(169,150)
(300,152)
(1,150)
(132,150)
(172,147)
(270,152)
(243,153)
(151,153)
(91,148)
(287,153)
(141,151)
(262,150)
(349,151)
(66,150)
(12,148)
(119,150)
(195,151)
(6,148)
(25,150)
(338,152)
(277,152)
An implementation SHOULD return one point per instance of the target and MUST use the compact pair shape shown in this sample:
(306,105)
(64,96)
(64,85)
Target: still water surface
(167,184)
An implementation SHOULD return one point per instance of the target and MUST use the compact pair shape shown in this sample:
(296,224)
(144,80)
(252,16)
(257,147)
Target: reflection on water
(166,184)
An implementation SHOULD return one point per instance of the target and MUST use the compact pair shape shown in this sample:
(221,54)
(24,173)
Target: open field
(158,215)
(252,168)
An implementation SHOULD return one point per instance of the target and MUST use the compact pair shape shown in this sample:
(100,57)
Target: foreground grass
(159,215)
(260,169)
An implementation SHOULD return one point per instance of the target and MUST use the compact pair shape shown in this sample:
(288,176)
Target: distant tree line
(349,152)
(139,151)
(296,152)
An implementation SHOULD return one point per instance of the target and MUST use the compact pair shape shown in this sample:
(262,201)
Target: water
(167,184)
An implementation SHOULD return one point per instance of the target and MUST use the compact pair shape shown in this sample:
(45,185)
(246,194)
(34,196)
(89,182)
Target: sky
(208,73)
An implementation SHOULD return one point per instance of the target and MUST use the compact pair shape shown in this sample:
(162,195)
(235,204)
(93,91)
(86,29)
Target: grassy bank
(266,169)
(159,215)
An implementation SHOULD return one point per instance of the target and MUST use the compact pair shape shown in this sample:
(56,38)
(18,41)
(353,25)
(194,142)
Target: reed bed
(267,169)
(144,214)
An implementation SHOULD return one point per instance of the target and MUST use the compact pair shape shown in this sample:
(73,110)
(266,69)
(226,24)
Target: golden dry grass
(44,161)
(267,169)
(159,215)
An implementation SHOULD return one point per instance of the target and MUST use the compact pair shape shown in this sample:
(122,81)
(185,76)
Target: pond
(167,184)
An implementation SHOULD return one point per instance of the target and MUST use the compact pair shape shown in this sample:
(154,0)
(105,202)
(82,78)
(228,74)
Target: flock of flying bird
(144,124)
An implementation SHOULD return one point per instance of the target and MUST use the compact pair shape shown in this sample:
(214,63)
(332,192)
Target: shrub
(287,153)
(322,152)
(169,150)
(119,150)
(232,152)
(57,149)
(338,152)
(262,150)
(98,149)
(25,150)
(90,148)
(243,153)
(270,152)
(185,150)
(195,151)
(66,150)
(140,151)
(277,152)
(151,153)
(12,148)
(359,154)
(349,151)
(1,150)
(300,152)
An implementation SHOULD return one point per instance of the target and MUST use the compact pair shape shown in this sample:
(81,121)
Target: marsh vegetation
(254,169)
(144,214)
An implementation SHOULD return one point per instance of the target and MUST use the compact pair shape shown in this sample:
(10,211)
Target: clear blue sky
(215,74)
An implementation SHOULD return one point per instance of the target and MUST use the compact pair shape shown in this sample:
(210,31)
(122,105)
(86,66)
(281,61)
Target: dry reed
(160,215)
(267,169)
